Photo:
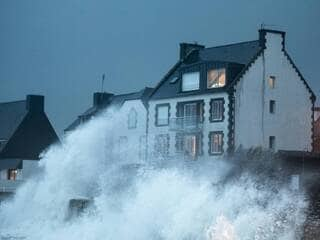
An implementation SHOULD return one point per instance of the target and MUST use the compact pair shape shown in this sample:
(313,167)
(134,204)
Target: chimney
(100,98)
(186,48)
(263,36)
(35,103)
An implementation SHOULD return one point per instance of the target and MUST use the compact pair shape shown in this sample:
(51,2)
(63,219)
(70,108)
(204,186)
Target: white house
(129,136)
(214,100)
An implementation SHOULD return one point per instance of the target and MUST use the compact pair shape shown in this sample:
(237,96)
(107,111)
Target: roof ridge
(125,94)
(12,102)
(231,44)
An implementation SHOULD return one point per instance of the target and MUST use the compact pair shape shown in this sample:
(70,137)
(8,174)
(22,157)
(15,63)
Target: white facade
(10,181)
(207,125)
(272,108)
(131,137)
(291,123)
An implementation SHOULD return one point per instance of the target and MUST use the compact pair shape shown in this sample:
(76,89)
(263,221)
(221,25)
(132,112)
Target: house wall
(291,123)
(29,168)
(208,126)
(7,187)
(135,148)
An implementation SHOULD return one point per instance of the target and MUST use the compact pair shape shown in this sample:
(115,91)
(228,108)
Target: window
(12,174)
(179,142)
(216,143)
(272,143)
(272,81)
(216,78)
(272,106)
(189,144)
(216,110)
(161,147)
(162,114)
(190,81)
(132,119)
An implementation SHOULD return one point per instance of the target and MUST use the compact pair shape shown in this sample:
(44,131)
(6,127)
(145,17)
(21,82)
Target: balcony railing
(185,124)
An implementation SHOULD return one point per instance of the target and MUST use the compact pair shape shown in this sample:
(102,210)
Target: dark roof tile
(116,102)
(11,115)
(237,55)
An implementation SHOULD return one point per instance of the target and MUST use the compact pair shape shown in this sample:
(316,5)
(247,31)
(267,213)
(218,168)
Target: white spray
(187,200)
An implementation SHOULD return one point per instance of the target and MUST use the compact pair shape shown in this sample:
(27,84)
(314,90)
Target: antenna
(102,82)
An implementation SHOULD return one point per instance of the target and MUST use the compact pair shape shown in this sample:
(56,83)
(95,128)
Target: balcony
(186,124)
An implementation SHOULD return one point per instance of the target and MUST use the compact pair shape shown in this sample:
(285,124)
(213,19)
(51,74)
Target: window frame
(272,106)
(211,134)
(272,143)
(272,82)
(216,69)
(198,71)
(157,151)
(132,110)
(211,109)
(12,174)
(157,113)
(180,142)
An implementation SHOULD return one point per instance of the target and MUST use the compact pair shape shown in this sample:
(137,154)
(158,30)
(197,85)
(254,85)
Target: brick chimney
(100,98)
(186,48)
(35,103)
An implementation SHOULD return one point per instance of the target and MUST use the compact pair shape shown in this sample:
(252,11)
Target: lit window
(12,174)
(162,115)
(190,81)
(272,142)
(216,78)
(217,109)
(272,106)
(272,81)
(132,119)
(216,142)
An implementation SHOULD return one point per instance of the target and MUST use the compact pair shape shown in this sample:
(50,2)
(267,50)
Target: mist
(151,199)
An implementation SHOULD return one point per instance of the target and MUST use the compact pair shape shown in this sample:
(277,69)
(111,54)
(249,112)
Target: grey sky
(61,48)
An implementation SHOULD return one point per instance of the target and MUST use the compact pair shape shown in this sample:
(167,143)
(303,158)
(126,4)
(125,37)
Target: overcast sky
(60,48)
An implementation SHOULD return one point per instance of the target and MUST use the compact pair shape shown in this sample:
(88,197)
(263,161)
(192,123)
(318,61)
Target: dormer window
(190,81)
(216,78)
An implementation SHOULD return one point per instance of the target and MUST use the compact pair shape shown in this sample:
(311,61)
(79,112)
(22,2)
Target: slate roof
(11,115)
(25,131)
(238,54)
(116,101)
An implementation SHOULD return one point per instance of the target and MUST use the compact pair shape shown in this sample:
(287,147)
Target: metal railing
(192,123)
